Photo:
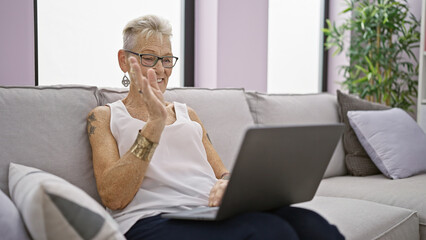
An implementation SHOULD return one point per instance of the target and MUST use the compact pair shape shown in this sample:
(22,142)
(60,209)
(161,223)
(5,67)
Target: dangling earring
(125,81)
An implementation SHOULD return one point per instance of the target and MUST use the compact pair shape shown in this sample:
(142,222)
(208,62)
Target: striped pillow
(52,208)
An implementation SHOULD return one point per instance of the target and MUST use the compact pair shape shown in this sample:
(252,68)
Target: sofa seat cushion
(224,112)
(299,109)
(359,219)
(407,193)
(45,127)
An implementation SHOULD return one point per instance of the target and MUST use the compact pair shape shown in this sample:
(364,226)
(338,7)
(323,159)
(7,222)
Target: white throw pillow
(393,140)
(52,208)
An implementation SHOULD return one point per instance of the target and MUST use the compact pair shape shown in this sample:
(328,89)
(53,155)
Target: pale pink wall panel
(17,42)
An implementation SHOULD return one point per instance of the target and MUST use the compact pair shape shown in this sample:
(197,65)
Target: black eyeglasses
(149,60)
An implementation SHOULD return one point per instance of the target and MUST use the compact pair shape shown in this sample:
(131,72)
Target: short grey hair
(147,26)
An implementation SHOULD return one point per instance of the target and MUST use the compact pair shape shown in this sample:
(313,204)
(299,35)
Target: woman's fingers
(217,192)
(146,89)
(141,82)
(152,78)
(151,93)
(135,72)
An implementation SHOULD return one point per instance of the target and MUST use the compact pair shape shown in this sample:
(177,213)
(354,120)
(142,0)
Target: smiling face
(154,45)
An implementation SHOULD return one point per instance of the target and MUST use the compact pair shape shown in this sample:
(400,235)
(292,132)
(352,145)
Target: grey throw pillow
(357,160)
(393,140)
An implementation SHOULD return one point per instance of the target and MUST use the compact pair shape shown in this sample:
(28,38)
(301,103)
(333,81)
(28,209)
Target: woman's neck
(134,99)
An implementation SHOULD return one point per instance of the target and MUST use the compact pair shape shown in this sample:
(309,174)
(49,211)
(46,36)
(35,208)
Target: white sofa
(45,128)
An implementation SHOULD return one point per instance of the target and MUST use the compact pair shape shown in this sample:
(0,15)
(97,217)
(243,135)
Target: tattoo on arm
(208,137)
(90,128)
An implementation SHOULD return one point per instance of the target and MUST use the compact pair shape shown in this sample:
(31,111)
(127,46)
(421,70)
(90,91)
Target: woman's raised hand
(151,93)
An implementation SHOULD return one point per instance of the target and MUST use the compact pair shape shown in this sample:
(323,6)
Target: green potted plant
(383,35)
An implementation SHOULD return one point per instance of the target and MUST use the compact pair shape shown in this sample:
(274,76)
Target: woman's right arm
(118,179)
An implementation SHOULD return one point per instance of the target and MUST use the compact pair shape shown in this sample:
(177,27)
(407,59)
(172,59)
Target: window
(295,49)
(78,40)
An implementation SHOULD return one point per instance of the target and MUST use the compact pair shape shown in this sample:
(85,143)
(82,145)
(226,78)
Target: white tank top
(178,176)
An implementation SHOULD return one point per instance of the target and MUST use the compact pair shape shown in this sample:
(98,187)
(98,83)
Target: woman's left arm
(216,193)
(212,156)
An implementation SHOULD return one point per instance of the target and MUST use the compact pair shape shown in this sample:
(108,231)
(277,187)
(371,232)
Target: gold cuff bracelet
(143,148)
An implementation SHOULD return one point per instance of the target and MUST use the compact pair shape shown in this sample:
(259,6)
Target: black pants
(284,223)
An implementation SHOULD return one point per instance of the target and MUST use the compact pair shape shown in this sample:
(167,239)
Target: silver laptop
(276,166)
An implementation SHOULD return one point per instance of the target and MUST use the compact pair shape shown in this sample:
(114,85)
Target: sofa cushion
(110,95)
(393,140)
(407,193)
(224,113)
(360,219)
(293,108)
(357,160)
(45,127)
(11,224)
(52,208)
(299,109)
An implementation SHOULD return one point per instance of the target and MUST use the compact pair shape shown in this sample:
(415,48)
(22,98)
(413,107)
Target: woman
(171,165)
